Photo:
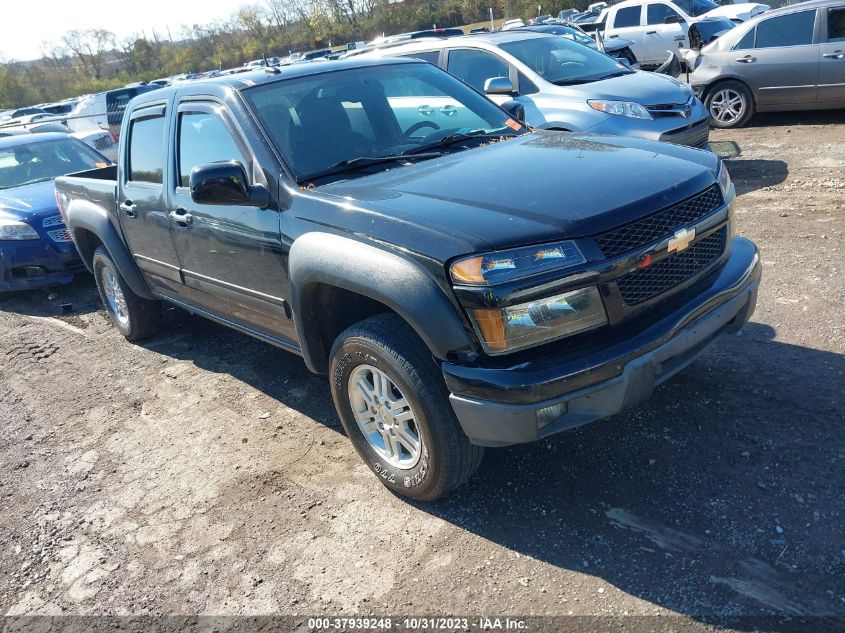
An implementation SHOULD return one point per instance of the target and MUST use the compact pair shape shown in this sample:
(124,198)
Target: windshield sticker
(516,127)
(100,165)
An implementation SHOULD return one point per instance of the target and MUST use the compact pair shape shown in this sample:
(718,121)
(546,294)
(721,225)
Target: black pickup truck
(463,282)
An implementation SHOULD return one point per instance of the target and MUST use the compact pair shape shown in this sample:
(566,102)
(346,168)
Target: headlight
(14,230)
(622,108)
(519,326)
(493,268)
(724,179)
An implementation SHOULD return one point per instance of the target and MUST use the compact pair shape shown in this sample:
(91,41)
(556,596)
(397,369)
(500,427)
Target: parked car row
(564,85)
(550,76)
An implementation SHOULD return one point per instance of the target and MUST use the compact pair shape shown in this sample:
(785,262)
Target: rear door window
(836,25)
(147,150)
(795,29)
(629,16)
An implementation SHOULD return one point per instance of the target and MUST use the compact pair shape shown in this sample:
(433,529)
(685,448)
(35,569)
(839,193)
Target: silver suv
(566,85)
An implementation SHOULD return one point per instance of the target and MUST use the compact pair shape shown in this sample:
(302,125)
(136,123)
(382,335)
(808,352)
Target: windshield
(562,61)
(319,121)
(40,161)
(696,7)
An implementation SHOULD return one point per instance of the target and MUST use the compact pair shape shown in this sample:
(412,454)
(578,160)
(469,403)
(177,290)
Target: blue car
(35,245)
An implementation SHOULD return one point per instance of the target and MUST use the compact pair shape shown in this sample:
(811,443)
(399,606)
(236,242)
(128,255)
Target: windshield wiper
(351,164)
(571,82)
(457,137)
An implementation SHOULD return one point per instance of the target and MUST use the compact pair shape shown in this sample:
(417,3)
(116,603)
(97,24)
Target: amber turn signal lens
(468,271)
(491,325)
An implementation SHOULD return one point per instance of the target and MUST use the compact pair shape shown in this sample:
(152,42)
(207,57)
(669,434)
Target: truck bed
(96,186)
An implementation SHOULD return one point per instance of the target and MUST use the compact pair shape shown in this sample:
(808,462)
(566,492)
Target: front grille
(60,235)
(642,285)
(53,220)
(672,109)
(659,225)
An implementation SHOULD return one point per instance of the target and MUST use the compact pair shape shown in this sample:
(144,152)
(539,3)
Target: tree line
(92,60)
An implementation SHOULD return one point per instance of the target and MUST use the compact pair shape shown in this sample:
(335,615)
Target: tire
(384,345)
(134,317)
(730,104)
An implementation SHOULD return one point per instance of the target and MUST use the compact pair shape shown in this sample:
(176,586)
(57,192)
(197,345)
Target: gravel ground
(206,473)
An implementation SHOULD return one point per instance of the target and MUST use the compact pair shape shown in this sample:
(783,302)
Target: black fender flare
(400,284)
(86,216)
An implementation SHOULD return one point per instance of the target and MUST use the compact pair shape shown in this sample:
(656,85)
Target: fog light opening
(550,414)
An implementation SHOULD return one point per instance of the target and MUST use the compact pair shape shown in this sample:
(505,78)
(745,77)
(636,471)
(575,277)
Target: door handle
(181,217)
(834,55)
(610,37)
(448,110)
(128,209)
(651,32)
(748,59)
(425,110)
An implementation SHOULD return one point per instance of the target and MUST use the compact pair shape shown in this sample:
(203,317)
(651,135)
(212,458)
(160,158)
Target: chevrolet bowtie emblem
(681,240)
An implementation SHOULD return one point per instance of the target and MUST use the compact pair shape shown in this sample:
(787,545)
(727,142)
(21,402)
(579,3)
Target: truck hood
(535,188)
(29,201)
(643,87)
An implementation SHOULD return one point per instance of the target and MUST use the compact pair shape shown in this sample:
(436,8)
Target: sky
(25,25)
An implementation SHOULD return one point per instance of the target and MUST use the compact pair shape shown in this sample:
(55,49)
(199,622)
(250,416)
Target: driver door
(231,256)
(661,36)
(474,67)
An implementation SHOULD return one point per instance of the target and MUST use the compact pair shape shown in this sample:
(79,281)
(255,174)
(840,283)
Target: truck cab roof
(242,81)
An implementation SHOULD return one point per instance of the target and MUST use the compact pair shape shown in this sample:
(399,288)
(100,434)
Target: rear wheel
(394,407)
(135,317)
(730,104)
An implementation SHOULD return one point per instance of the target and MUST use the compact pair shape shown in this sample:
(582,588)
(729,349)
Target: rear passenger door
(626,23)
(230,255)
(782,68)
(141,202)
(832,61)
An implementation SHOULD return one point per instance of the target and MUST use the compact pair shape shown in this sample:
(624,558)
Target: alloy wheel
(727,106)
(385,417)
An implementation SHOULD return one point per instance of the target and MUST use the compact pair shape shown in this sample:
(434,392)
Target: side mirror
(673,19)
(225,182)
(499,86)
(515,109)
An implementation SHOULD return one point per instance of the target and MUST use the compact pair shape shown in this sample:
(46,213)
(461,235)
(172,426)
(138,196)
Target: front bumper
(692,132)
(29,264)
(497,406)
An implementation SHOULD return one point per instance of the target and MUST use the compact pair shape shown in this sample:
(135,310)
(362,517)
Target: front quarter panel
(397,282)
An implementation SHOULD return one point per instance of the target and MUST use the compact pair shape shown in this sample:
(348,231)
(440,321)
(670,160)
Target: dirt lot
(147,479)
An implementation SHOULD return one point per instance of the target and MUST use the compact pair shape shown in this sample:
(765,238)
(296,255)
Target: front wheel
(730,104)
(394,407)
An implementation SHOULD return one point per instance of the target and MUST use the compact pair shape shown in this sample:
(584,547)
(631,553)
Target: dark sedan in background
(35,246)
